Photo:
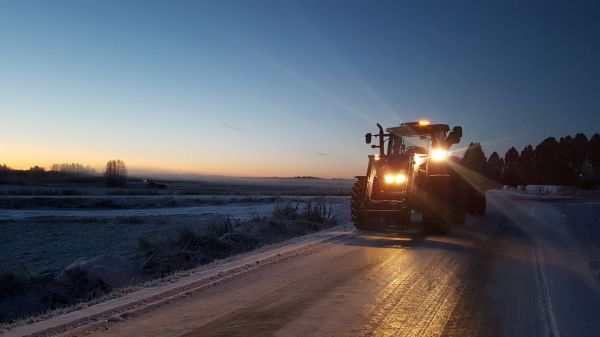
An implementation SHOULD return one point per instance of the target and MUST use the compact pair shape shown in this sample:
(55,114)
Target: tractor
(413,171)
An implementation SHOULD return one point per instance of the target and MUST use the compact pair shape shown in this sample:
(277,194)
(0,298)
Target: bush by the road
(23,295)
(186,248)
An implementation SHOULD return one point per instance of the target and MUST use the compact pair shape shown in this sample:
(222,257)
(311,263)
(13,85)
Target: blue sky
(268,88)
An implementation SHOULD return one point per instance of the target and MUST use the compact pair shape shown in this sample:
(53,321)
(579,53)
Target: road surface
(517,271)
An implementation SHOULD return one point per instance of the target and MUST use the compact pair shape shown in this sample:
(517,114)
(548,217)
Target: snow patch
(543,189)
(551,189)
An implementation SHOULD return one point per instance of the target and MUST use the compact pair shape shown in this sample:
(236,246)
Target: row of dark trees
(74,168)
(568,161)
(115,174)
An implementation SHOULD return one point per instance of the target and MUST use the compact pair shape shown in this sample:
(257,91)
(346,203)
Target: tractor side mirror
(368,137)
(454,136)
(457,131)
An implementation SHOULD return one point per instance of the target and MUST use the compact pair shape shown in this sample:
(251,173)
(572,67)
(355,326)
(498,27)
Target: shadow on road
(409,237)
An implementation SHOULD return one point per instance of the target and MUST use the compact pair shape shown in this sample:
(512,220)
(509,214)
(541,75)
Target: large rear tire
(477,203)
(438,206)
(459,202)
(435,223)
(459,216)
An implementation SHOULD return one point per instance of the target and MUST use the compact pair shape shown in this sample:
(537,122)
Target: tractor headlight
(389,178)
(399,178)
(439,154)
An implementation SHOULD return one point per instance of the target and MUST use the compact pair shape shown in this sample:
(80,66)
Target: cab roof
(416,129)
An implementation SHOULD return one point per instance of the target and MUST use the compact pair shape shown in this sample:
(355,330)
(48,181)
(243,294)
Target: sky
(285,88)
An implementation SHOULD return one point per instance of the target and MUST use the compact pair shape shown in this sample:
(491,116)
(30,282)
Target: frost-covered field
(63,244)
(224,186)
(51,239)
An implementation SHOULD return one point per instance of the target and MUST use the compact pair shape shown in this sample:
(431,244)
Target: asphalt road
(514,272)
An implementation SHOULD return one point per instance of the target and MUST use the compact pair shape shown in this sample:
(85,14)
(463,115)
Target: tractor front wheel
(358,193)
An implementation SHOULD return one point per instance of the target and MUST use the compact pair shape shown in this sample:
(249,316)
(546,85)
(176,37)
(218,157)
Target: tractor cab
(416,137)
(410,148)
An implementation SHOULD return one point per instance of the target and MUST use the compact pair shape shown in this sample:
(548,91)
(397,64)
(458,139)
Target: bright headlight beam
(439,154)
(399,178)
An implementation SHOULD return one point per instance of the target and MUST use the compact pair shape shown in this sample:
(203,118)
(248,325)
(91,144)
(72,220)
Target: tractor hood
(397,162)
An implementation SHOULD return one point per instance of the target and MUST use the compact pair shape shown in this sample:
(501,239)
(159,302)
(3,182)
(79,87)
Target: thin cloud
(234,128)
(296,77)
(324,154)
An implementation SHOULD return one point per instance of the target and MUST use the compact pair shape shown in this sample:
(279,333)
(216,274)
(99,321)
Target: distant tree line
(568,161)
(73,168)
(39,175)
(115,174)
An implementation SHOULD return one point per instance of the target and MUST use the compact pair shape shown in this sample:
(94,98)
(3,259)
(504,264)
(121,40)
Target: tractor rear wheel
(358,193)
(436,222)
(477,203)
(438,210)
(459,203)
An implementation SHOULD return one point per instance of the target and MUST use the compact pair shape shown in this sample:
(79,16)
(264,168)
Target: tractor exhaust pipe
(381,134)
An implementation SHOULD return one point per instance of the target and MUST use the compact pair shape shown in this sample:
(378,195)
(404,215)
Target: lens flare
(400,178)
(439,154)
